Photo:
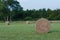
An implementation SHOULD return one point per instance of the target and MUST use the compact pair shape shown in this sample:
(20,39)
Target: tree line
(12,10)
(42,13)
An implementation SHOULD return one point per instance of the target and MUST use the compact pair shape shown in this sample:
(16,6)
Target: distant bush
(28,18)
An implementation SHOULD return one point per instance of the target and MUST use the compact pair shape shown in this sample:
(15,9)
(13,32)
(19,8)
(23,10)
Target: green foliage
(12,10)
(28,18)
(8,8)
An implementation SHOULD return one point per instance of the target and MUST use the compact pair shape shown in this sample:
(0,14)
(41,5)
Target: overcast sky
(39,4)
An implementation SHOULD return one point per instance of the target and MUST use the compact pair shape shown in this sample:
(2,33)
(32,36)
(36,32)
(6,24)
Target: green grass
(22,31)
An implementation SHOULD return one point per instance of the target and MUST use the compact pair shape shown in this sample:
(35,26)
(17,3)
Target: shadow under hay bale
(53,31)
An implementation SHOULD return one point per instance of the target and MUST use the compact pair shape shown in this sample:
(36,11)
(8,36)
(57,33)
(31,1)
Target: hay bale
(7,23)
(27,22)
(42,25)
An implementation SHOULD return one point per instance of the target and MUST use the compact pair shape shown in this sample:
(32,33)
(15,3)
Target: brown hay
(7,23)
(42,25)
(27,22)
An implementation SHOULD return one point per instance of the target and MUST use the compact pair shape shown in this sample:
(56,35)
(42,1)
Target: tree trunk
(10,18)
(7,18)
(7,21)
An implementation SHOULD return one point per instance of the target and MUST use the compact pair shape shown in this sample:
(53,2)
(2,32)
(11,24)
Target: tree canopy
(12,10)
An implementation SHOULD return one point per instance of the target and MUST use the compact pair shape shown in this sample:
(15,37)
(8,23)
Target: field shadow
(53,31)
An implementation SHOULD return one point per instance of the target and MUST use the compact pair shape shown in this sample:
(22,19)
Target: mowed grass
(22,31)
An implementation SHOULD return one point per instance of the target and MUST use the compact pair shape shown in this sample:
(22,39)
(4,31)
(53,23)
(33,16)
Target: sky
(40,4)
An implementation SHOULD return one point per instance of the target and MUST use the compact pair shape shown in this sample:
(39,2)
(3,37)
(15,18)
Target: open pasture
(22,31)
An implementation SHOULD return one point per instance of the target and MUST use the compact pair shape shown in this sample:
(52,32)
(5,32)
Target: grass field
(22,31)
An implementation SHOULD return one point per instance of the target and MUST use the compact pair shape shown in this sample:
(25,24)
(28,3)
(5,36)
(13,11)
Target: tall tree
(9,8)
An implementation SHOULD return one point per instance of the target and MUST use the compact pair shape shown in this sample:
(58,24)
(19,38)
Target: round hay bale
(7,23)
(42,25)
(27,22)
